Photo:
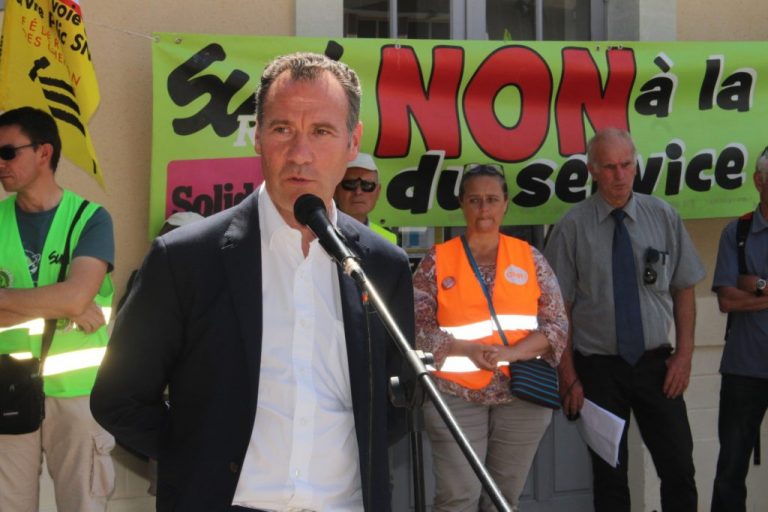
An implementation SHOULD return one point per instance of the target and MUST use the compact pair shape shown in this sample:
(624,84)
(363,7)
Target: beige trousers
(77,452)
(505,437)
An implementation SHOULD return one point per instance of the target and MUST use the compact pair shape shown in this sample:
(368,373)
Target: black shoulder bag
(533,380)
(22,400)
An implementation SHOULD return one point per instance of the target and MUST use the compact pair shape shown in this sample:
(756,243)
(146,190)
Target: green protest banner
(430,107)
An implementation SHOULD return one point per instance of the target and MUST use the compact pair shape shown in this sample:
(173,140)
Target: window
(562,20)
(516,20)
(415,19)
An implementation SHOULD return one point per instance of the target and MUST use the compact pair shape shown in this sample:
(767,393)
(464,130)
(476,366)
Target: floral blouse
(552,323)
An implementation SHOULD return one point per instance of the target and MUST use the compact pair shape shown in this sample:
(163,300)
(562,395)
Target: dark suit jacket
(193,322)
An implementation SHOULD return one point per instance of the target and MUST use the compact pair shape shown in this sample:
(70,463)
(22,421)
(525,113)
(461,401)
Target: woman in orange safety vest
(454,323)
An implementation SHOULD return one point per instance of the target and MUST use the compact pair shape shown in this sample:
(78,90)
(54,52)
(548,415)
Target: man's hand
(678,375)
(571,393)
(91,319)
(747,283)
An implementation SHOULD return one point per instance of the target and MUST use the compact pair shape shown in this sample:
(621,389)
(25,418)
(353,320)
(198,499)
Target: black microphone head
(305,206)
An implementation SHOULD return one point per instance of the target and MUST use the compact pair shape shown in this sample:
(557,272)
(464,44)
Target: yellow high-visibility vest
(74,357)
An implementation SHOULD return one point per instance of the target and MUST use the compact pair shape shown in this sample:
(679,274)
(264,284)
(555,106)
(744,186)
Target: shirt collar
(604,209)
(272,223)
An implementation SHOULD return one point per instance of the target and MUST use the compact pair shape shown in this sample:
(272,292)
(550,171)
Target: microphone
(309,210)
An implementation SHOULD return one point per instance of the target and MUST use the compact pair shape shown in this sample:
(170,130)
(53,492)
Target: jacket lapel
(241,256)
(354,324)
(358,356)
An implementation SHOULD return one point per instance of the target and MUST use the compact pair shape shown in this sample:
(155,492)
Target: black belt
(662,351)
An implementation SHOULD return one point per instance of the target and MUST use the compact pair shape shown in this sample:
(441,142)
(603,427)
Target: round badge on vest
(6,278)
(515,275)
(448,283)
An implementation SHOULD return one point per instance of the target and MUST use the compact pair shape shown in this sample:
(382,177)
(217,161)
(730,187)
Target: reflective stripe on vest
(462,309)
(58,364)
(486,328)
(36,326)
(71,378)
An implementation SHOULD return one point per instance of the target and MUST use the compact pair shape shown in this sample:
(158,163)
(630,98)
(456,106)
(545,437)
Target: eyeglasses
(649,274)
(8,152)
(365,186)
(483,169)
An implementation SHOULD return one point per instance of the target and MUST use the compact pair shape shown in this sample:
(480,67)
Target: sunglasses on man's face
(365,186)
(8,152)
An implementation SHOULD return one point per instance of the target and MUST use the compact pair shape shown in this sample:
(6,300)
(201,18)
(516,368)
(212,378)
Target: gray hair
(761,165)
(309,66)
(605,135)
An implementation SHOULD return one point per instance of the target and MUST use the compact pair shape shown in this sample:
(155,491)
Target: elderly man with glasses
(357,193)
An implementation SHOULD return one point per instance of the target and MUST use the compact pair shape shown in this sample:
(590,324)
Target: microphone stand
(416,361)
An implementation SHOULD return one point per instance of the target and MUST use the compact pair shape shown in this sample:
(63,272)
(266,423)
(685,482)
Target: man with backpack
(740,284)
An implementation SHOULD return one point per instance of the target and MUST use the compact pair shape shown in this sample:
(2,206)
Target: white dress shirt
(303,452)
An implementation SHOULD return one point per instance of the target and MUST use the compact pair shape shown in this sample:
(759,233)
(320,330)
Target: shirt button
(296,473)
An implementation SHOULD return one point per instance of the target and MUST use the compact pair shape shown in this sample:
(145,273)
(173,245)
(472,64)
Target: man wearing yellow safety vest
(35,222)
(357,193)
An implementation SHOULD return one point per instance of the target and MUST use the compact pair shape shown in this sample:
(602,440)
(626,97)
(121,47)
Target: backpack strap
(742,232)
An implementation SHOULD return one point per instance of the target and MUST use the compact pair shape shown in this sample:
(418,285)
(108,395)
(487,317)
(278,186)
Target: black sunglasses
(8,152)
(365,186)
(649,274)
(484,169)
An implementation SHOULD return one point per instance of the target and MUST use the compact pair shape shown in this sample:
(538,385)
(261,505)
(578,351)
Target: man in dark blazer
(195,322)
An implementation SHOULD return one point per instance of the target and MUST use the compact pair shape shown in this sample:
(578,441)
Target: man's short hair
(38,125)
(309,66)
(604,135)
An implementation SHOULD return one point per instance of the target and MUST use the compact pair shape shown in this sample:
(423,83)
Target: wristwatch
(760,287)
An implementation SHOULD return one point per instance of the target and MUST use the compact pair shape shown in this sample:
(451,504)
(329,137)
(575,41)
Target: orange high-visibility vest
(462,309)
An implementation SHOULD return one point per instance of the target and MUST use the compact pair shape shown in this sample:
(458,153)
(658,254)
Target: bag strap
(742,232)
(484,287)
(50,323)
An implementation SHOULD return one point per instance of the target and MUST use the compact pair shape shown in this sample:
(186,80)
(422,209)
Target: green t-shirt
(97,239)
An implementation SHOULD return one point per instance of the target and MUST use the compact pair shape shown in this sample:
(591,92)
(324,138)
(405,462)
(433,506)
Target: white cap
(364,161)
(182,218)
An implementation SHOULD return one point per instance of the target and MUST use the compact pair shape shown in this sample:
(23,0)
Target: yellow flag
(45,63)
